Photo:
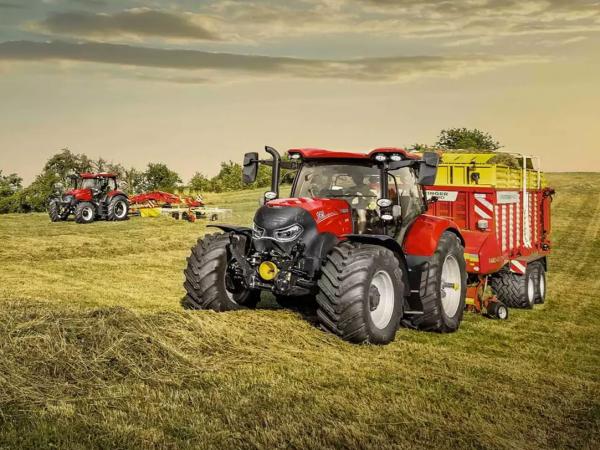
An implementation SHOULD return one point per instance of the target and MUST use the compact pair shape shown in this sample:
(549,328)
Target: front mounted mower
(353,235)
(91,196)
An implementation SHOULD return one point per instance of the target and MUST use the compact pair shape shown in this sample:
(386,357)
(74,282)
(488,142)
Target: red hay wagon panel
(500,226)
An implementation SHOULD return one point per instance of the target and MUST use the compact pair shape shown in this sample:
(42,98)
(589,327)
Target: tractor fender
(233,229)
(423,235)
(117,193)
(385,241)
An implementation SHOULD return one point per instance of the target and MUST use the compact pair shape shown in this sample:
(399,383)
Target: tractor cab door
(407,196)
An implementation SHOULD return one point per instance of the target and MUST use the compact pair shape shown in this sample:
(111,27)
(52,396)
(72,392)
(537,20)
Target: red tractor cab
(354,234)
(91,196)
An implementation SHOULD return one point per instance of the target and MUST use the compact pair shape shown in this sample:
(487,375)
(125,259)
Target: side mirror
(428,168)
(250,168)
(432,159)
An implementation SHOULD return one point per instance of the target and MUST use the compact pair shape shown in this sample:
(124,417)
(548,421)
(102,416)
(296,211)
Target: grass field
(96,352)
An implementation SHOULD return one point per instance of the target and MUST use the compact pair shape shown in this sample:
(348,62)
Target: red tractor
(354,234)
(91,196)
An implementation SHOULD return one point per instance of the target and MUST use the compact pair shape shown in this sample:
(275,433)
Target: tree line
(14,197)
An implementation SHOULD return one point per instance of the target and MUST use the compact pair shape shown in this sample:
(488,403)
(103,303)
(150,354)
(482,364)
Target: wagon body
(503,211)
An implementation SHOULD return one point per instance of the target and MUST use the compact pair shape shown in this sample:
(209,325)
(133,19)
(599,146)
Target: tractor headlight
(380,157)
(288,234)
(384,203)
(396,157)
(270,195)
(257,232)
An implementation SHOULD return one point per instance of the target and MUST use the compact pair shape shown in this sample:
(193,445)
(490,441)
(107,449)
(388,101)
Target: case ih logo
(321,216)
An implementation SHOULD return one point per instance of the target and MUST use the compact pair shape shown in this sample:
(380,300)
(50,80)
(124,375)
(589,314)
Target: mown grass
(96,352)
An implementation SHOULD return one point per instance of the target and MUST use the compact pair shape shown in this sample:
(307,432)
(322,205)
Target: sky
(194,83)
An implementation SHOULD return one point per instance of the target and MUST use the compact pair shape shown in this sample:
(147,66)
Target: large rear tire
(361,293)
(444,290)
(55,211)
(85,212)
(206,278)
(540,281)
(514,290)
(118,208)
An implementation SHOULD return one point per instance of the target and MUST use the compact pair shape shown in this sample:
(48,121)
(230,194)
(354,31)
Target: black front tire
(206,278)
(348,303)
(118,208)
(513,289)
(85,212)
(55,212)
(436,317)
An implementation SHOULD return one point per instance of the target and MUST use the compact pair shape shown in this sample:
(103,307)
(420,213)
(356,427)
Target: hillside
(95,351)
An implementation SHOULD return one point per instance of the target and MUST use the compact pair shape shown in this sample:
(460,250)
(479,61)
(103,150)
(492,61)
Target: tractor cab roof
(87,175)
(322,154)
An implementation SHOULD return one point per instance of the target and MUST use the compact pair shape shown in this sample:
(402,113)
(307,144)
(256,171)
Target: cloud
(415,19)
(10,5)
(442,22)
(196,66)
(138,22)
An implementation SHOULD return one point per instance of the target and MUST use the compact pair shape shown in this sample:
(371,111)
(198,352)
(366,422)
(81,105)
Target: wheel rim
(542,286)
(381,299)
(120,210)
(530,289)
(502,312)
(86,213)
(451,285)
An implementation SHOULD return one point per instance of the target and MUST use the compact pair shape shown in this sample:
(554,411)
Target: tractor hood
(80,194)
(315,224)
(327,215)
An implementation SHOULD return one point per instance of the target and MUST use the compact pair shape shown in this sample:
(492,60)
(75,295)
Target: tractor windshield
(360,186)
(87,183)
(96,183)
(346,181)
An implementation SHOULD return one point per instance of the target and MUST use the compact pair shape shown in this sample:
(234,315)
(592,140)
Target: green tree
(200,183)
(135,180)
(102,165)
(11,188)
(56,170)
(263,177)
(421,148)
(9,184)
(229,178)
(66,162)
(465,139)
(35,196)
(158,177)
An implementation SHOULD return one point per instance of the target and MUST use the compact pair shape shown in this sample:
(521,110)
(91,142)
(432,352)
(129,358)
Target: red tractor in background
(354,234)
(91,196)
